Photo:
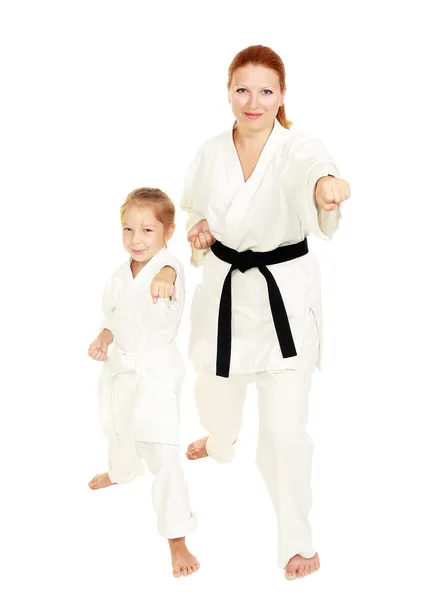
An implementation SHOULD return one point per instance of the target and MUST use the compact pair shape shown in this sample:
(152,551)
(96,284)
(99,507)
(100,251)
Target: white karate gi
(274,207)
(139,389)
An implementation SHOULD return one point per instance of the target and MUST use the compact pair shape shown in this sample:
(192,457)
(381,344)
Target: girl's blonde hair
(153,198)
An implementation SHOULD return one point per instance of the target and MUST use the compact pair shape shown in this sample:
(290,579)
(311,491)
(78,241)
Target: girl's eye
(148,230)
(126,229)
(241,90)
(267,92)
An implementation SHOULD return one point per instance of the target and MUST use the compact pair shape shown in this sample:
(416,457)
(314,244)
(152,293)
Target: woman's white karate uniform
(274,207)
(139,389)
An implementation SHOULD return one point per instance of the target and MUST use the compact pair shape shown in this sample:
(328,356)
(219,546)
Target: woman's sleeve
(188,204)
(312,163)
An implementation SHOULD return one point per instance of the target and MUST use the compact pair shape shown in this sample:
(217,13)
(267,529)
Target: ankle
(177,541)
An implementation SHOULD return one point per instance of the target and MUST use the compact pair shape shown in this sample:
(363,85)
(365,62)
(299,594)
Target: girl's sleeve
(108,307)
(168,260)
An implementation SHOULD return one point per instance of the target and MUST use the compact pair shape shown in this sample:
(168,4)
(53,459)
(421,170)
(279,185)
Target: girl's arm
(162,285)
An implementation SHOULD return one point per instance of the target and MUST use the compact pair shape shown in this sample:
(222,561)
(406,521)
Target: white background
(102,97)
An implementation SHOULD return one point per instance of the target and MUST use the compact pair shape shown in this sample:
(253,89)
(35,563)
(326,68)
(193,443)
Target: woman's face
(255,97)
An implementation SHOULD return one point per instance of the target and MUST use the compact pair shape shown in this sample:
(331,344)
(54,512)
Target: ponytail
(281,117)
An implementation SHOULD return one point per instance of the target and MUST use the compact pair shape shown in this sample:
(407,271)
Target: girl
(141,378)
(253,195)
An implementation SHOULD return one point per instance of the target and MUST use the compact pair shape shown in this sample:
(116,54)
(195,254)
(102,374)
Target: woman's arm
(319,190)
(197,227)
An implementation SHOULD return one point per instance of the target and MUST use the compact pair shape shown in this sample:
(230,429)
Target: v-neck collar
(275,133)
(242,192)
(146,266)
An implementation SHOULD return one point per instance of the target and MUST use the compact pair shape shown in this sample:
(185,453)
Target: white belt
(143,361)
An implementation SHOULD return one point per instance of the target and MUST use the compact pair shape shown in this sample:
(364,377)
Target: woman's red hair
(265,57)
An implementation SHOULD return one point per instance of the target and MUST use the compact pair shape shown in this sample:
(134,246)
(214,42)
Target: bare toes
(291,575)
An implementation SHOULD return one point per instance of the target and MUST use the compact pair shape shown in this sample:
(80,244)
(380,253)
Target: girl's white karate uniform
(274,207)
(139,390)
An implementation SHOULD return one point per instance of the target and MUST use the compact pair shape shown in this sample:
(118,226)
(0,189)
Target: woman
(253,194)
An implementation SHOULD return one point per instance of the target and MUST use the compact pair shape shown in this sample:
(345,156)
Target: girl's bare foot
(300,567)
(183,562)
(197,449)
(100,481)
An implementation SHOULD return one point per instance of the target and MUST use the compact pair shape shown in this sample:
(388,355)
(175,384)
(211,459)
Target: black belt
(245,261)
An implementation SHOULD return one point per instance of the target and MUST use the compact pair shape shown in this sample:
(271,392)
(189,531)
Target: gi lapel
(242,199)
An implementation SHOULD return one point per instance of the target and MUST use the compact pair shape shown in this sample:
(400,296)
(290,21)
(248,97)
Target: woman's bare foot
(197,449)
(100,481)
(183,562)
(300,567)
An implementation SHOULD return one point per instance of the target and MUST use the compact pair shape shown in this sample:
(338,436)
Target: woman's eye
(267,92)
(241,90)
(126,229)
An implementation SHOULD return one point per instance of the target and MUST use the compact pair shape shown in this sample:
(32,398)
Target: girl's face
(143,234)
(255,97)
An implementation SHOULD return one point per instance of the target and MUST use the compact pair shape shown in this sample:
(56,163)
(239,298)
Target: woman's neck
(247,139)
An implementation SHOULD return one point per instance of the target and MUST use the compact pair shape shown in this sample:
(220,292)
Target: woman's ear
(283,94)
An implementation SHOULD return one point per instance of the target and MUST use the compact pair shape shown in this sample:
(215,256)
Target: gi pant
(170,497)
(284,451)
(129,449)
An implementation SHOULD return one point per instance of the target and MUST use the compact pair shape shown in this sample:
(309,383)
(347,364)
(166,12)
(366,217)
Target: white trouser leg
(219,402)
(284,452)
(169,490)
(124,464)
